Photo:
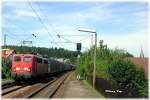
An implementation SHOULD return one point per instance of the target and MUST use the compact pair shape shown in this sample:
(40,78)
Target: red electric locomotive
(26,66)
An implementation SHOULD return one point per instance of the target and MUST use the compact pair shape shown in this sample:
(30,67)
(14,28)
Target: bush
(111,66)
(6,71)
(129,77)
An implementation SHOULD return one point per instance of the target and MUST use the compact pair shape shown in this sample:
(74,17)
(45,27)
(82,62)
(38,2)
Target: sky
(122,25)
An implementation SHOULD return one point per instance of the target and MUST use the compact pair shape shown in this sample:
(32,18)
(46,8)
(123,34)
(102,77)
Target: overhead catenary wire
(75,35)
(40,20)
(83,39)
(37,38)
(46,17)
(12,34)
(67,40)
(18,40)
(27,38)
(12,37)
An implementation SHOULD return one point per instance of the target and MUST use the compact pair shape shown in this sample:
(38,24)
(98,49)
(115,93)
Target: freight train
(28,66)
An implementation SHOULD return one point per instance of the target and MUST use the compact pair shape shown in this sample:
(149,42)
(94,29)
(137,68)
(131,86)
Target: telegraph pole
(91,46)
(94,69)
(4,40)
(94,56)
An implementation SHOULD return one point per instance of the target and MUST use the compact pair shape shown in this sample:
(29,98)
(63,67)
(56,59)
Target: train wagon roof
(24,55)
(30,55)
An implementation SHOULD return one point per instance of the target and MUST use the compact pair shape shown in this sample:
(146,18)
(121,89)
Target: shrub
(128,76)
(6,71)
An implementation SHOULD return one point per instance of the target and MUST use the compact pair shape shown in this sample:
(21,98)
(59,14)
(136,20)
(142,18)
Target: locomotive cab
(22,66)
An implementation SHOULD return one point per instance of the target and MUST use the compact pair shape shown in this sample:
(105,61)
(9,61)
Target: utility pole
(95,47)
(91,46)
(78,50)
(4,40)
(78,57)
(94,71)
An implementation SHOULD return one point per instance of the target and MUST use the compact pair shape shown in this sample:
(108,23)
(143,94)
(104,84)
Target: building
(142,62)
(7,53)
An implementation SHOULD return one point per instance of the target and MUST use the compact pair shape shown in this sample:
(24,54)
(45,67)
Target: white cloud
(132,42)
(24,13)
(67,23)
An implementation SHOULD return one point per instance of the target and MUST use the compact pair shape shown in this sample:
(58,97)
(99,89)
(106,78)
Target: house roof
(6,52)
(142,62)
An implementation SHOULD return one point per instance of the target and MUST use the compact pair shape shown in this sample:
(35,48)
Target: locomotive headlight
(27,69)
(17,68)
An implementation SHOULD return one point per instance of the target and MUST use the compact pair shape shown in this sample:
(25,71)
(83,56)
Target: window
(39,60)
(45,62)
(17,59)
(27,59)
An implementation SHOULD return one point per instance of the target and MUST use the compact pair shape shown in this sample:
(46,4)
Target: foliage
(54,52)
(128,76)
(122,71)
(104,57)
(6,70)
(111,65)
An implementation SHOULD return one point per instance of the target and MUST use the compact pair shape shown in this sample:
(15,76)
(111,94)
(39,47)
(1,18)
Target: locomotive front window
(27,59)
(17,59)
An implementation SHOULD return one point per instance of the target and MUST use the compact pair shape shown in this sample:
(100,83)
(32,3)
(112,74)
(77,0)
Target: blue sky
(119,24)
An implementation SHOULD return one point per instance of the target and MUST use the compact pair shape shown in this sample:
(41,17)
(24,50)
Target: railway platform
(74,88)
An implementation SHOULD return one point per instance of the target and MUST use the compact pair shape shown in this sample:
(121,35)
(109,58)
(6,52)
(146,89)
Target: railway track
(51,89)
(38,90)
(7,84)
(11,89)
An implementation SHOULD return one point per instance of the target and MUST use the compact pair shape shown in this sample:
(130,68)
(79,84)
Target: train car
(56,66)
(26,66)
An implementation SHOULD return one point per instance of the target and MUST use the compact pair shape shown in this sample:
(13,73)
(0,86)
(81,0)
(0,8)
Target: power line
(19,41)
(37,38)
(67,40)
(83,39)
(23,40)
(16,26)
(61,42)
(46,18)
(12,37)
(12,34)
(39,18)
(64,38)
(74,35)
